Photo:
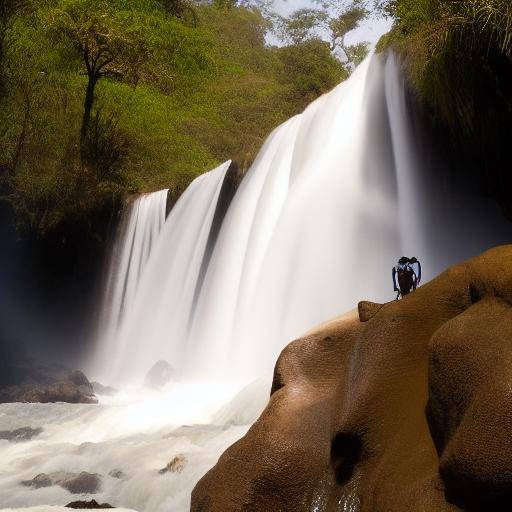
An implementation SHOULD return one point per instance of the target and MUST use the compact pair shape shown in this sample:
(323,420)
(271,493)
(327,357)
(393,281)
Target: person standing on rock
(405,278)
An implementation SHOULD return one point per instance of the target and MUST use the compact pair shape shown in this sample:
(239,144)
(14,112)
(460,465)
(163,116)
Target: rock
(117,473)
(176,465)
(93,504)
(100,389)
(83,483)
(63,391)
(20,434)
(159,375)
(347,427)
(41,480)
(367,310)
(78,378)
(44,386)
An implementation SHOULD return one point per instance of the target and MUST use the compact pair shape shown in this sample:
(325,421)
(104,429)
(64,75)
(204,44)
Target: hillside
(103,99)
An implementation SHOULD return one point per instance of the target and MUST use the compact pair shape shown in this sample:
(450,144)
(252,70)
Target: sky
(371,30)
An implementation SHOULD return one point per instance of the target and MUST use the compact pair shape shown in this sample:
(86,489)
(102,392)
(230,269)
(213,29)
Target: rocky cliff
(403,407)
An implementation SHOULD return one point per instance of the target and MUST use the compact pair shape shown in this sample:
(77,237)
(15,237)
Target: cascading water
(335,196)
(139,230)
(155,320)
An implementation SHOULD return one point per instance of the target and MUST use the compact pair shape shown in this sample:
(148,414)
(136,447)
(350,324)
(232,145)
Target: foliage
(330,20)
(106,98)
(459,54)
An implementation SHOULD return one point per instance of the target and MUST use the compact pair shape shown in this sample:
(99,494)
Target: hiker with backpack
(406,276)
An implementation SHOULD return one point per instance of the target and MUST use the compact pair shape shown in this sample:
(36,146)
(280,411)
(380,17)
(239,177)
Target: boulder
(160,374)
(93,504)
(20,434)
(64,391)
(402,407)
(44,386)
(176,465)
(83,483)
(40,480)
(117,473)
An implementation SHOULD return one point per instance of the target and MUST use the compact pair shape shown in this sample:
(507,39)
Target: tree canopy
(100,99)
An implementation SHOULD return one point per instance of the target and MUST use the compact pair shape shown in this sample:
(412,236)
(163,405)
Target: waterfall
(140,227)
(334,197)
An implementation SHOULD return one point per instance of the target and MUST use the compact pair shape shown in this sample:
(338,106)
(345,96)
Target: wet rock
(93,504)
(176,465)
(41,480)
(159,375)
(83,483)
(117,473)
(77,377)
(43,384)
(100,389)
(406,409)
(64,391)
(20,434)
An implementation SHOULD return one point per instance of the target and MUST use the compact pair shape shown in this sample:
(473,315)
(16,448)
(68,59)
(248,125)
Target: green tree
(331,21)
(109,43)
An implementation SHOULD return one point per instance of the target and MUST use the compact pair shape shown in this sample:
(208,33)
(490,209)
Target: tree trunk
(86,119)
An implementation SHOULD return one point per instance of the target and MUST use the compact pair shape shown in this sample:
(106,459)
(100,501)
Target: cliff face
(404,407)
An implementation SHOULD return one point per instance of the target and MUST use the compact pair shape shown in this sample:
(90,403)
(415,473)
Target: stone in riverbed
(93,504)
(117,473)
(41,480)
(160,374)
(20,434)
(83,483)
(63,391)
(176,465)
(48,385)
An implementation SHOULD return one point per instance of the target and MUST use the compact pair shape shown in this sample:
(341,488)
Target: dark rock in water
(20,434)
(64,391)
(348,426)
(176,465)
(159,375)
(83,483)
(93,504)
(41,480)
(117,473)
(49,384)
(100,389)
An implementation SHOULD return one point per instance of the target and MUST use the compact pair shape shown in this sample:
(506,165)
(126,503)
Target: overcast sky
(370,31)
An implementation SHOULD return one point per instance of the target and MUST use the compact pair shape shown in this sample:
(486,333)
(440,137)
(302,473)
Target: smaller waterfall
(154,274)
(141,224)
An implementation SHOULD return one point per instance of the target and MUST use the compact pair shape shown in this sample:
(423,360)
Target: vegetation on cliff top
(100,98)
(459,53)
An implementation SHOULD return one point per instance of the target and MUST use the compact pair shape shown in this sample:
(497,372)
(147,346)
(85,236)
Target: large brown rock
(44,387)
(406,408)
